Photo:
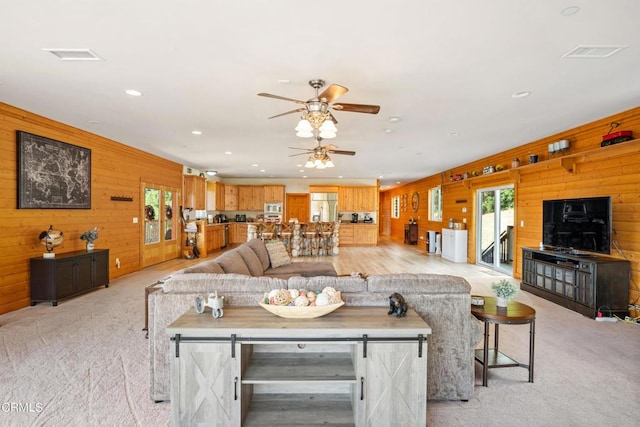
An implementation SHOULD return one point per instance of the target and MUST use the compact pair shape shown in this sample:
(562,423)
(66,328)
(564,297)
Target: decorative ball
(335,298)
(311,296)
(329,291)
(294,293)
(273,293)
(322,299)
(301,301)
(282,297)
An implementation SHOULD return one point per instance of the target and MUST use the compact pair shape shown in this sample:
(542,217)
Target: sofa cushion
(304,268)
(205,267)
(251,260)
(223,283)
(232,262)
(278,255)
(342,284)
(418,284)
(260,249)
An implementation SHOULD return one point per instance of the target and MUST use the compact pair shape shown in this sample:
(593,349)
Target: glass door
(496,209)
(160,240)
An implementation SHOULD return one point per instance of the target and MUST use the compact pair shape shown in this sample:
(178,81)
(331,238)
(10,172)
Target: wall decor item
(52,174)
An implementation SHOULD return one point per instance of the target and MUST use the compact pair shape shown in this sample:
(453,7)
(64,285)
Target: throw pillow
(278,254)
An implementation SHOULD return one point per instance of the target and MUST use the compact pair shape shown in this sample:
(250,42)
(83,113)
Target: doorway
(496,211)
(160,240)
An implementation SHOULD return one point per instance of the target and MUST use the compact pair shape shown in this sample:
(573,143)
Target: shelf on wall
(568,162)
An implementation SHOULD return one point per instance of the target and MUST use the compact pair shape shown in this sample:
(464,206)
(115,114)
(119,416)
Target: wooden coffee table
(514,314)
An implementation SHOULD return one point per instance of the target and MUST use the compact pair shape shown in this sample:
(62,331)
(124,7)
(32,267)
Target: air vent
(584,51)
(75,54)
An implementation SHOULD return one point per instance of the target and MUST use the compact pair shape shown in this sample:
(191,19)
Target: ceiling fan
(319,155)
(320,104)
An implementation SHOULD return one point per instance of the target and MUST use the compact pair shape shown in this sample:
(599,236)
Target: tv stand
(585,283)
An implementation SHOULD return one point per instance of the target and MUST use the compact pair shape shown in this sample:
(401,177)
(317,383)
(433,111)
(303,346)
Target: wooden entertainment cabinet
(355,366)
(68,274)
(581,282)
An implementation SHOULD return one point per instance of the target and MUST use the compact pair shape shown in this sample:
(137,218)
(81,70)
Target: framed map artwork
(52,174)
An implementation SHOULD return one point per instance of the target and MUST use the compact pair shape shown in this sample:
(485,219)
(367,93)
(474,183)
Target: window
(395,207)
(435,204)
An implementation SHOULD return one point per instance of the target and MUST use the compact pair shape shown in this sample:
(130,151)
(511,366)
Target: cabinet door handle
(235,388)
(361,388)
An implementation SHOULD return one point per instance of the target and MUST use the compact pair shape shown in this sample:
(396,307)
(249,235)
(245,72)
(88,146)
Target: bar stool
(285,232)
(326,237)
(267,231)
(309,237)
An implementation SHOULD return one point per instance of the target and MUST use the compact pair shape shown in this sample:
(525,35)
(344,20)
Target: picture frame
(52,174)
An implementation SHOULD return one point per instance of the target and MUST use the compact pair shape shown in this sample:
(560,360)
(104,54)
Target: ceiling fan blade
(299,154)
(288,112)
(357,108)
(333,119)
(333,92)
(298,148)
(268,95)
(346,153)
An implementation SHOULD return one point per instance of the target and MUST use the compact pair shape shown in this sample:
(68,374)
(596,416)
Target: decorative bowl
(308,312)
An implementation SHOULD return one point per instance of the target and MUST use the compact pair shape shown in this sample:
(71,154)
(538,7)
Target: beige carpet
(84,362)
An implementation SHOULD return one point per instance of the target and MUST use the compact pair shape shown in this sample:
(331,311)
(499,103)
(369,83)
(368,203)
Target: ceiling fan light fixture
(328,126)
(304,134)
(327,135)
(329,163)
(310,164)
(304,126)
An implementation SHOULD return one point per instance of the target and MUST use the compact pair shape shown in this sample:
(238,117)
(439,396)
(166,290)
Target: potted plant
(504,290)
(90,236)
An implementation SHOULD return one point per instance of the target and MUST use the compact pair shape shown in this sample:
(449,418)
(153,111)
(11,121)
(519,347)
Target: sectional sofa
(443,301)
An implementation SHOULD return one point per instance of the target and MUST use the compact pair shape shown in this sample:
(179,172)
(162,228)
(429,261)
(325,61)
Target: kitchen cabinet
(274,194)
(358,234)
(251,198)
(194,192)
(66,275)
(215,196)
(357,199)
(223,374)
(214,237)
(240,232)
(454,245)
(230,197)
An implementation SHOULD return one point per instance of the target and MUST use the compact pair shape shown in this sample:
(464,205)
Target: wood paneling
(116,170)
(599,171)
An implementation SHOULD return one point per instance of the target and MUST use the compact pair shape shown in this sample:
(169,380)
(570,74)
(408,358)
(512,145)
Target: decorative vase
(90,246)
(501,302)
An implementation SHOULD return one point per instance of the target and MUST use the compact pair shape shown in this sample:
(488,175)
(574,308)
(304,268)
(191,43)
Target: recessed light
(255,165)
(521,94)
(340,176)
(380,177)
(262,170)
(571,10)
(304,176)
(74,54)
(284,81)
(388,130)
(196,132)
(397,182)
(94,122)
(228,152)
(212,173)
(133,92)
(301,170)
(394,119)
(453,134)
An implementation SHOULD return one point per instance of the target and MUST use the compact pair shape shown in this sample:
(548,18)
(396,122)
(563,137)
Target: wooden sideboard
(68,274)
(337,369)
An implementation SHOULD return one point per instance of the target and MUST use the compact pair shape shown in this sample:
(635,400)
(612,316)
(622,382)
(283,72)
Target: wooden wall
(598,171)
(116,170)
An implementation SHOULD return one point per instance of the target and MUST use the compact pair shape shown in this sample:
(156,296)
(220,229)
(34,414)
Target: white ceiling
(443,67)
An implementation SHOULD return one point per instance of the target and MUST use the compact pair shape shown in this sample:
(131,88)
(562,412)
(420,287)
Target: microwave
(273,208)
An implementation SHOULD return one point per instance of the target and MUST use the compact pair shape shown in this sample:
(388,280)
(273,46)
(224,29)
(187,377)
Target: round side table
(515,313)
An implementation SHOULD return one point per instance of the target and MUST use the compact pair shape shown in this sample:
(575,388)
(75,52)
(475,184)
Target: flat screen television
(578,224)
